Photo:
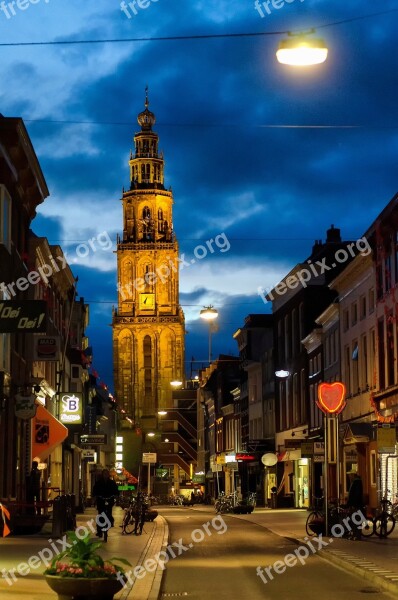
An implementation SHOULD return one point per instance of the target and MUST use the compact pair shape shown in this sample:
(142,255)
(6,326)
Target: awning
(47,433)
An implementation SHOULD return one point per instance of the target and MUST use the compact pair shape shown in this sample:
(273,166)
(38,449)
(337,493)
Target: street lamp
(209,313)
(300,51)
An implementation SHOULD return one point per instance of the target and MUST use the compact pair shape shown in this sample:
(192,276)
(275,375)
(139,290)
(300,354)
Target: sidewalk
(375,559)
(16,550)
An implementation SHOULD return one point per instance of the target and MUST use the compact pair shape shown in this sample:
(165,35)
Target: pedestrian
(33,489)
(355,500)
(193,497)
(104,487)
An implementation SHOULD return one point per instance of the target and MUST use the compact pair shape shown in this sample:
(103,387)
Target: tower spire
(146,97)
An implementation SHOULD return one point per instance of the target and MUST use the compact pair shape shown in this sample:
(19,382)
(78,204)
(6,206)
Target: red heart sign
(331,397)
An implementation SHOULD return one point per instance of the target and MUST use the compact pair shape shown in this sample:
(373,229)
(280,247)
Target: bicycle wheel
(128,523)
(384,524)
(314,523)
(367,527)
(217,506)
(225,508)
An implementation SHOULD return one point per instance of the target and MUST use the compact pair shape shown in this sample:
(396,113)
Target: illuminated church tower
(148,325)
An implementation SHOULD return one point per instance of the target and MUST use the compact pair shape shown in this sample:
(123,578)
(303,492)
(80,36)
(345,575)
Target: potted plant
(80,573)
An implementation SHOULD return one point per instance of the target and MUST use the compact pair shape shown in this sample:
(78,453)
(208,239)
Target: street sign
(149,457)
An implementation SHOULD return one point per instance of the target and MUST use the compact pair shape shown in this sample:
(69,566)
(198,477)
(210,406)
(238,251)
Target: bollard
(56,531)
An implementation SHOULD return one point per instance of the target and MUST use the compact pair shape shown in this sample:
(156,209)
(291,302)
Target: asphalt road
(217,558)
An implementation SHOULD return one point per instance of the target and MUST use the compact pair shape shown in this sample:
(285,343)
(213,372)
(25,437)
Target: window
(346,320)
(355,369)
(5,218)
(387,272)
(381,355)
(148,365)
(347,374)
(371,300)
(390,349)
(362,307)
(364,362)
(354,313)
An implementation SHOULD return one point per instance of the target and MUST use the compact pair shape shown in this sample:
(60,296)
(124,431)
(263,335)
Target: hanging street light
(300,51)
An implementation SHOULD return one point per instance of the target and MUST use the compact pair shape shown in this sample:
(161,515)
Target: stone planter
(75,588)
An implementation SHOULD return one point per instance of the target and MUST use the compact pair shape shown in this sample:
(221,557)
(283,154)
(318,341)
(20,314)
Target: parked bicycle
(384,521)
(225,504)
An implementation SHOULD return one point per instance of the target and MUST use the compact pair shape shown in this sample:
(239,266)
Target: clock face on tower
(147,301)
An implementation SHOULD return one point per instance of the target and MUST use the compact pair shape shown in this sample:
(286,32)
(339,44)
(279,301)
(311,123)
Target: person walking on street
(33,489)
(104,487)
(355,500)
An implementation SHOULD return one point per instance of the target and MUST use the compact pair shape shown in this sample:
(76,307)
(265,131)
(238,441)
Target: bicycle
(128,522)
(106,507)
(384,521)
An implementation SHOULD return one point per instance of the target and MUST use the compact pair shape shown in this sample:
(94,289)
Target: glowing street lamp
(209,313)
(176,383)
(300,51)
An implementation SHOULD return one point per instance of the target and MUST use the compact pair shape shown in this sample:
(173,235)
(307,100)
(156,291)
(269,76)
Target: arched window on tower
(146,212)
(147,347)
(160,221)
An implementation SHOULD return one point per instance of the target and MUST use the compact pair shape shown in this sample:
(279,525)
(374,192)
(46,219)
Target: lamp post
(209,313)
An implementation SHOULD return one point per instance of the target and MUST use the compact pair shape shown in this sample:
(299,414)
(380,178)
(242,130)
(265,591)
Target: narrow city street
(224,564)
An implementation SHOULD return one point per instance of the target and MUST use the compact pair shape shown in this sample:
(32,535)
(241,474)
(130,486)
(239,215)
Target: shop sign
(19,316)
(318,458)
(88,455)
(307,449)
(245,457)
(25,407)
(198,479)
(71,408)
(95,440)
(331,397)
(46,348)
(319,447)
(386,440)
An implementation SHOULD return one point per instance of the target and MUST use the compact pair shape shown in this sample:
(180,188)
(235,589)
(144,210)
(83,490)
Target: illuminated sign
(71,408)
(46,348)
(99,438)
(245,457)
(331,397)
(27,316)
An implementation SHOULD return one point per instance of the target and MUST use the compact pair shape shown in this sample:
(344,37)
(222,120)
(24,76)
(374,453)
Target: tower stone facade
(148,325)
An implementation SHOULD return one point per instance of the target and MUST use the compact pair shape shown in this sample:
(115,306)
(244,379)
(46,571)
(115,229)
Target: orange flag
(5,513)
